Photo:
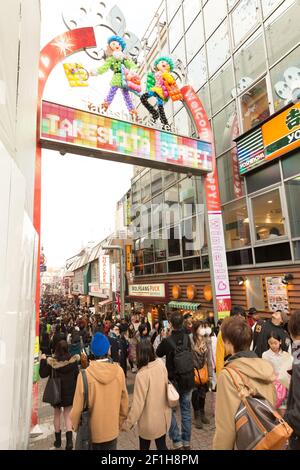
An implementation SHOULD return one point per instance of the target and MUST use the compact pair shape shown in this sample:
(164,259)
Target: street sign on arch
(71,130)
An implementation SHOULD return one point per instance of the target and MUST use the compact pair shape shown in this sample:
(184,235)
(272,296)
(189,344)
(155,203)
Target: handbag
(83,437)
(258,425)
(201,375)
(281,393)
(172,395)
(52,392)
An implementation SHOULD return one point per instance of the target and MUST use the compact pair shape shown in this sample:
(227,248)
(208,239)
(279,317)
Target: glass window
(230,182)
(271,253)
(161,268)
(293,198)
(175,266)
(136,192)
(268,5)
(179,52)
(190,9)
(194,38)
(169,178)
(221,87)
(291,165)
(149,269)
(191,264)
(239,257)
(263,178)
(156,177)
(146,186)
(187,197)
(157,212)
(214,12)
(297,249)
(218,48)
(191,237)
(160,245)
(172,6)
(268,217)
(236,225)
(174,241)
(244,18)
(204,97)
(197,70)
(145,218)
(222,125)
(182,122)
(205,262)
(285,80)
(250,61)
(255,105)
(282,30)
(138,270)
(147,247)
(176,30)
(172,205)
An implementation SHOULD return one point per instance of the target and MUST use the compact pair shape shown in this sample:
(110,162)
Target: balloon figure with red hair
(124,77)
(161,85)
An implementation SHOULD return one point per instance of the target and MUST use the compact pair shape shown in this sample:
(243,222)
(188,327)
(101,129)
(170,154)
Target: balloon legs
(129,103)
(109,99)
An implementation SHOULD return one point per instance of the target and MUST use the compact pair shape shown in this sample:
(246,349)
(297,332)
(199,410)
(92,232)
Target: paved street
(201,439)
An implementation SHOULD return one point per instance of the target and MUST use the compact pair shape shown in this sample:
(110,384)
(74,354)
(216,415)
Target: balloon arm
(105,67)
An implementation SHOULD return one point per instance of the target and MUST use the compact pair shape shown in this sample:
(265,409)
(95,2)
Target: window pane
(161,268)
(197,70)
(179,52)
(149,269)
(203,95)
(297,249)
(191,237)
(157,212)
(244,17)
(171,205)
(194,38)
(255,105)
(221,87)
(190,9)
(172,6)
(291,165)
(250,61)
(263,178)
(191,264)
(214,12)
(169,178)
(176,30)
(230,183)
(146,186)
(174,241)
(160,245)
(156,177)
(236,225)
(293,198)
(282,30)
(268,217)
(136,192)
(239,258)
(218,48)
(221,124)
(182,122)
(285,80)
(145,218)
(268,5)
(187,198)
(271,253)
(175,266)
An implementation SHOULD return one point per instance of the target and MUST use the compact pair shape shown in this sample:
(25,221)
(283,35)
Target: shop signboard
(103,137)
(128,254)
(104,271)
(148,290)
(115,278)
(277,294)
(278,136)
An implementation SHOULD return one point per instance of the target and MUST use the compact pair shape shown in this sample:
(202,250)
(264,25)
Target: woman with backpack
(202,359)
(64,366)
(150,408)
(245,367)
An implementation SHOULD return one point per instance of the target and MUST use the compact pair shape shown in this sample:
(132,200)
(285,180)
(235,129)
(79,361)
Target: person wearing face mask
(202,356)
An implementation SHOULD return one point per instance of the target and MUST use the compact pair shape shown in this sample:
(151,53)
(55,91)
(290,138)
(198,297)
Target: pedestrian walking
(150,408)
(276,324)
(65,367)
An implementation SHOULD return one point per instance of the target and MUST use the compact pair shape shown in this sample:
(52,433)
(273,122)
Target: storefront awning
(184,305)
(105,302)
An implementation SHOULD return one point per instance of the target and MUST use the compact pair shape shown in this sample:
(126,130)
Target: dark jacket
(45,344)
(262,340)
(166,348)
(292,415)
(57,337)
(67,371)
(115,347)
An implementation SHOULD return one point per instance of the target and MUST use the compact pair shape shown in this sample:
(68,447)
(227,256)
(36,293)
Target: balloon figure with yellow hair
(162,85)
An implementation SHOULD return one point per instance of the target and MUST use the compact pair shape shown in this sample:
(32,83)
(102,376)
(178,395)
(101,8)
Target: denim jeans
(183,438)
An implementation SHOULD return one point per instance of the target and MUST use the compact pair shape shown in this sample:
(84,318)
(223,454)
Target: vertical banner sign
(115,278)
(218,260)
(128,254)
(104,272)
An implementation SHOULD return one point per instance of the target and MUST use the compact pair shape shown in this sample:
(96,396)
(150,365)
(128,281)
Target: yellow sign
(36,346)
(76,75)
(282,133)
(128,250)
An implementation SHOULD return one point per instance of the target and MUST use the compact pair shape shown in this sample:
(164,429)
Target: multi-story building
(243,59)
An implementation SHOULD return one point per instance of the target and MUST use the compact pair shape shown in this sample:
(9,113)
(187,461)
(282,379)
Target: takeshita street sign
(81,132)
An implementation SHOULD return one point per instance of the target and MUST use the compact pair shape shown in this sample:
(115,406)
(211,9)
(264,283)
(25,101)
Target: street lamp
(122,274)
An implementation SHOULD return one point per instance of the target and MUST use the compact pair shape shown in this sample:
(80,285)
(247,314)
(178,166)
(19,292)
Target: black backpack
(182,358)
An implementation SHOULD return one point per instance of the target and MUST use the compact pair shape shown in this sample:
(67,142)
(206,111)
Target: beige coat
(260,375)
(150,409)
(108,400)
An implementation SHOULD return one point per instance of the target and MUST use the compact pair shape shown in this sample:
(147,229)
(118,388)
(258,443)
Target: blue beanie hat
(100,345)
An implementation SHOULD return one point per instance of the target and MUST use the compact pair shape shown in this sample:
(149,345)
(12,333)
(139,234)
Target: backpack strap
(85,391)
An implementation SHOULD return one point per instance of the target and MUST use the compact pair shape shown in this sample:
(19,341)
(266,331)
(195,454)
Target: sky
(79,194)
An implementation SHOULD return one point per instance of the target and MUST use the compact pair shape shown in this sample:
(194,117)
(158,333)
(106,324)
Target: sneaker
(187,448)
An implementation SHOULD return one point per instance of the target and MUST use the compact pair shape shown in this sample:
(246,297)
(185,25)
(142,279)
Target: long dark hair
(144,354)
(61,351)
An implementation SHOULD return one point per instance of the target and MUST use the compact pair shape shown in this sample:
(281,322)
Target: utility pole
(122,274)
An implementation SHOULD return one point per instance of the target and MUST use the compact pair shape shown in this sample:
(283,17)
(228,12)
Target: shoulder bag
(52,392)
(83,437)
(172,395)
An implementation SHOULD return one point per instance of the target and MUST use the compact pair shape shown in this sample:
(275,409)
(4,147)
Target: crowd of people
(194,356)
